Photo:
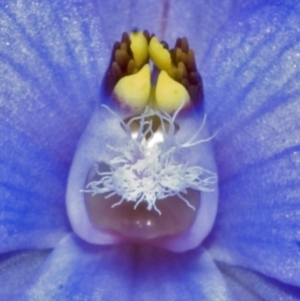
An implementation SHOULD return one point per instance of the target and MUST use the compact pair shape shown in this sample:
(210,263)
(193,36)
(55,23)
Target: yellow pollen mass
(139,48)
(169,94)
(160,56)
(134,90)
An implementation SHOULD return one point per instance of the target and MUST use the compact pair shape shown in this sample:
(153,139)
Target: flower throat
(147,188)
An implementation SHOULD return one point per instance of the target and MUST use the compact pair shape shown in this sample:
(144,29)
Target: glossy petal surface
(126,273)
(252,79)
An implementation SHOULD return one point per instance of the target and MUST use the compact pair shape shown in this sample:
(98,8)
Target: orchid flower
(244,237)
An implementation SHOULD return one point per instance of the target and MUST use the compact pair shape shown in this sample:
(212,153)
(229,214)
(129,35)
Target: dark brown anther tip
(184,45)
(116,46)
(122,58)
(120,64)
(191,64)
(130,67)
(185,83)
(125,38)
(186,72)
(147,35)
(196,93)
(183,58)
(165,44)
(178,53)
(116,71)
(194,78)
(178,43)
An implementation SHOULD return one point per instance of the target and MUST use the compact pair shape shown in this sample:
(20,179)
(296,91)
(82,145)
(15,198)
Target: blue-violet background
(52,58)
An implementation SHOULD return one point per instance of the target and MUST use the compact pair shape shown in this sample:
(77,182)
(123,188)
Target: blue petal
(17,270)
(32,209)
(51,70)
(78,270)
(249,286)
(49,80)
(199,21)
(252,93)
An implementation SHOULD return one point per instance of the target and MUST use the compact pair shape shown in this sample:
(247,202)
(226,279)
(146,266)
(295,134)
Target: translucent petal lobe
(101,141)
(252,92)
(188,276)
(80,271)
(17,269)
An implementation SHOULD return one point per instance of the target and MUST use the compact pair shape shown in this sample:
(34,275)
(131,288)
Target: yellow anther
(139,48)
(160,56)
(134,90)
(169,94)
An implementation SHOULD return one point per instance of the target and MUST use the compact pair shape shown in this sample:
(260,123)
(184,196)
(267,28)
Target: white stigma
(145,170)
